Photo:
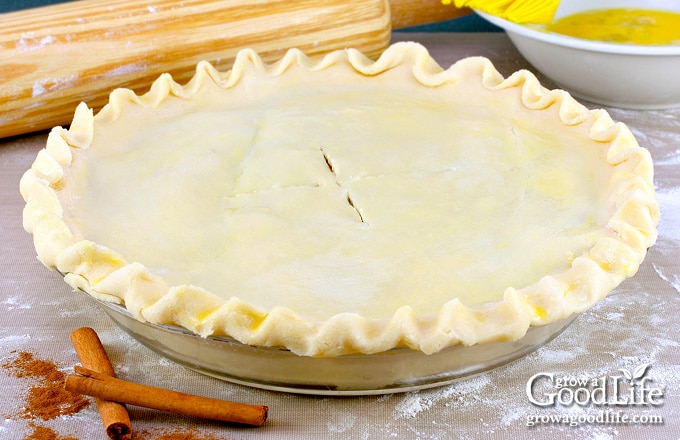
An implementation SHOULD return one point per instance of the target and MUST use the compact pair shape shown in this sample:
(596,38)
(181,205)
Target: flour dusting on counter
(14,303)
(341,422)
(669,232)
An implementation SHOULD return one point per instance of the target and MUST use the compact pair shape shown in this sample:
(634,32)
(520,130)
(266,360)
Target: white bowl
(618,75)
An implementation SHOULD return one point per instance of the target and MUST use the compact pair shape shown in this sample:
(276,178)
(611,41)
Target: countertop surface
(635,329)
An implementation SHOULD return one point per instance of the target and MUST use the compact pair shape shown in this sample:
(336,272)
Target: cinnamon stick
(110,388)
(92,355)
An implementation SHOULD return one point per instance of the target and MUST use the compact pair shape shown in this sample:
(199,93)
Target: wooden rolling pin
(53,57)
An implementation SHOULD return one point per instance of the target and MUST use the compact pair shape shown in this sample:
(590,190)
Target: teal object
(15,5)
(466,23)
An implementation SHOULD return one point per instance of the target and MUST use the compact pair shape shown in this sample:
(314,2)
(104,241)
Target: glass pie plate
(277,369)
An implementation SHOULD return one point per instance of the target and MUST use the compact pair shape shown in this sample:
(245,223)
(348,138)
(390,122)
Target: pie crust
(342,205)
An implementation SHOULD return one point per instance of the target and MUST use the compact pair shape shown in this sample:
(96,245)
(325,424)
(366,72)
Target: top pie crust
(343,205)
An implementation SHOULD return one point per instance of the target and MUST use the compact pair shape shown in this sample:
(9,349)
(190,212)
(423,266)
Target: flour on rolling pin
(57,56)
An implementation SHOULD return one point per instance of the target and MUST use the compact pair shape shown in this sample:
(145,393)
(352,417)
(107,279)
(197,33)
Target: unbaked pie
(342,205)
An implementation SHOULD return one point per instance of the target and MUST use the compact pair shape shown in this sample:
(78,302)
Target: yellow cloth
(518,11)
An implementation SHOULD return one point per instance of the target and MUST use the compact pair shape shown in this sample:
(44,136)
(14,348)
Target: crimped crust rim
(107,276)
